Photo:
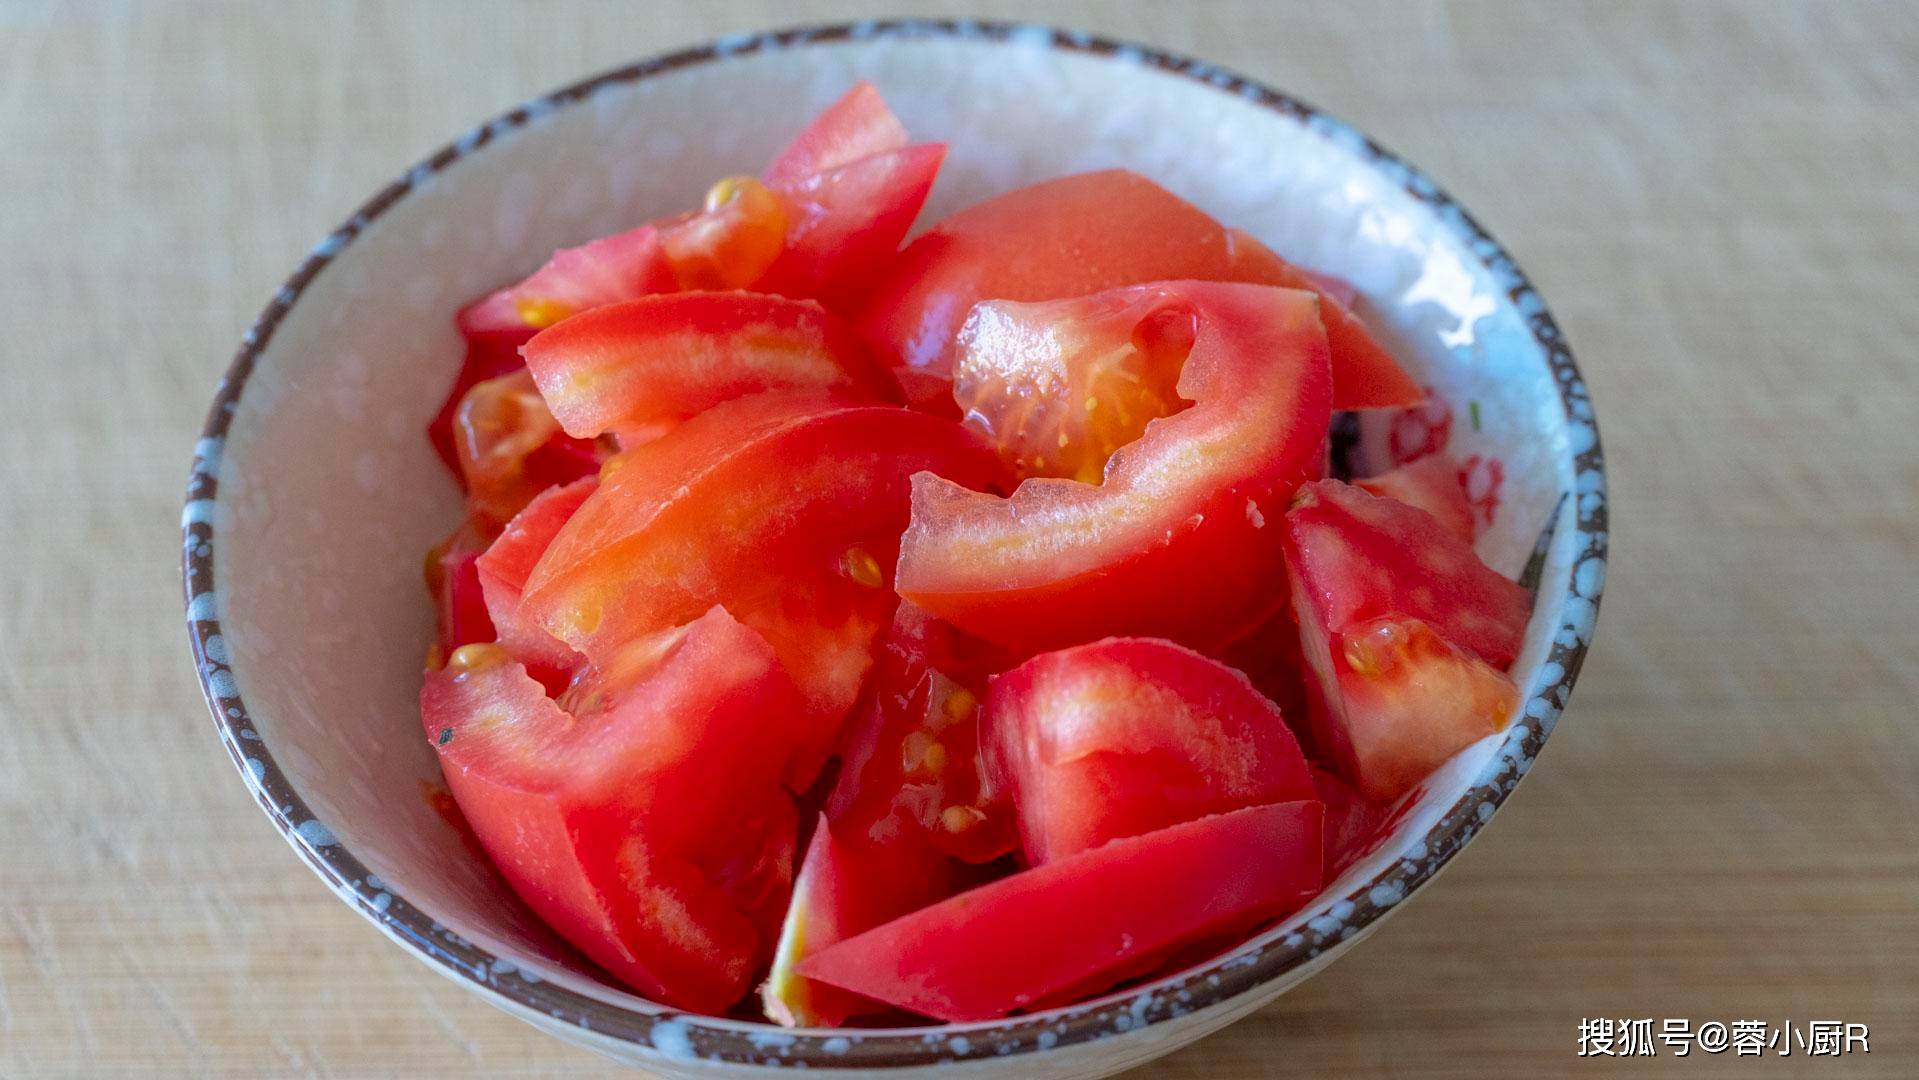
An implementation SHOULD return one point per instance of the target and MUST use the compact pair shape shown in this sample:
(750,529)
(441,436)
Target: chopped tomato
(652,831)
(1084,923)
(488,355)
(1269,656)
(452,577)
(510,448)
(1128,735)
(604,271)
(1356,557)
(1365,375)
(1077,235)
(1430,483)
(1353,823)
(785,508)
(650,363)
(858,125)
(1174,541)
(845,224)
(1406,632)
(502,573)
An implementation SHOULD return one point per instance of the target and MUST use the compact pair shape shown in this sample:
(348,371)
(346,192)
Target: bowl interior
(328,493)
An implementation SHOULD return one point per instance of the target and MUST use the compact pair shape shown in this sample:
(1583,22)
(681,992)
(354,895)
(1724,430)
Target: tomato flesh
(488,355)
(1406,632)
(784,508)
(1174,540)
(1083,923)
(510,448)
(1432,484)
(654,832)
(652,362)
(1128,735)
(453,579)
(502,572)
(1076,235)
(603,271)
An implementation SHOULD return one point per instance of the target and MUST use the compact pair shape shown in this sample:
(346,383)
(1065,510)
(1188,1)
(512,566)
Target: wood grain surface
(1720,201)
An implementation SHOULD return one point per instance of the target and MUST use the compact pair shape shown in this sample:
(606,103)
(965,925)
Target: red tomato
(785,508)
(653,831)
(845,224)
(1072,236)
(652,362)
(1128,735)
(452,577)
(1081,924)
(604,271)
(856,126)
(1430,483)
(1269,656)
(510,448)
(1174,541)
(1406,632)
(1356,556)
(1365,375)
(1352,822)
(502,573)
(488,355)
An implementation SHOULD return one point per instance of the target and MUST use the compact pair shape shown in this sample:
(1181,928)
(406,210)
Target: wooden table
(1721,201)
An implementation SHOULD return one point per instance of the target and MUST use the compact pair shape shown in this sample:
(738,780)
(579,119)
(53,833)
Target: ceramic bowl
(314,491)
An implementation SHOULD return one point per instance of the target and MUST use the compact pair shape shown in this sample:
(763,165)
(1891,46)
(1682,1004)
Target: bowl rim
(660,1030)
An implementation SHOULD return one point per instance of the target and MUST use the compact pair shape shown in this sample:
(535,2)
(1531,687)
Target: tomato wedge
(1128,735)
(653,832)
(1174,541)
(1353,823)
(1432,484)
(452,577)
(1084,923)
(603,271)
(858,125)
(488,355)
(510,448)
(1406,632)
(502,572)
(784,508)
(651,362)
(1359,557)
(1077,235)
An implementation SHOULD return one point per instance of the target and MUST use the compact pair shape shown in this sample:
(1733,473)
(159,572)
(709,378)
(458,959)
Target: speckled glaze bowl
(314,491)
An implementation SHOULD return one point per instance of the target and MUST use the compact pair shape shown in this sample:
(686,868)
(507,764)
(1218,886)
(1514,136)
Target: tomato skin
(1432,484)
(654,834)
(1357,556)
(844,225)
(1129,735)
(1076,235)
(1178,539)
(502,572)
(785,508)
(452,577)
(660,359)
(618,267)
(1353,822)
(856,126)
(1083,923)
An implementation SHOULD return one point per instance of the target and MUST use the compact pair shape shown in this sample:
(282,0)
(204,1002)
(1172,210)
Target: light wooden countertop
(1720,200)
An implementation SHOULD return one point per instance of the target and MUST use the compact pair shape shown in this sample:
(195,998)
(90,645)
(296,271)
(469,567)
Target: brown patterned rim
(688,1036)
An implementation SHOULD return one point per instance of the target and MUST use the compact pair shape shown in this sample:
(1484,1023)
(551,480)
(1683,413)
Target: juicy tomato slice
(488,355)
(1400,700)
(653,832)
(1129,735)
(612,268)
(453,579)
(510,448)
(856,126)
(1365,375)
(1353,822)
(1084,923)
(1432,484)
(652,362)
(1355,557)
(1069,237)
(502,572)
(1174,541)
(844,225)
(784,507)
